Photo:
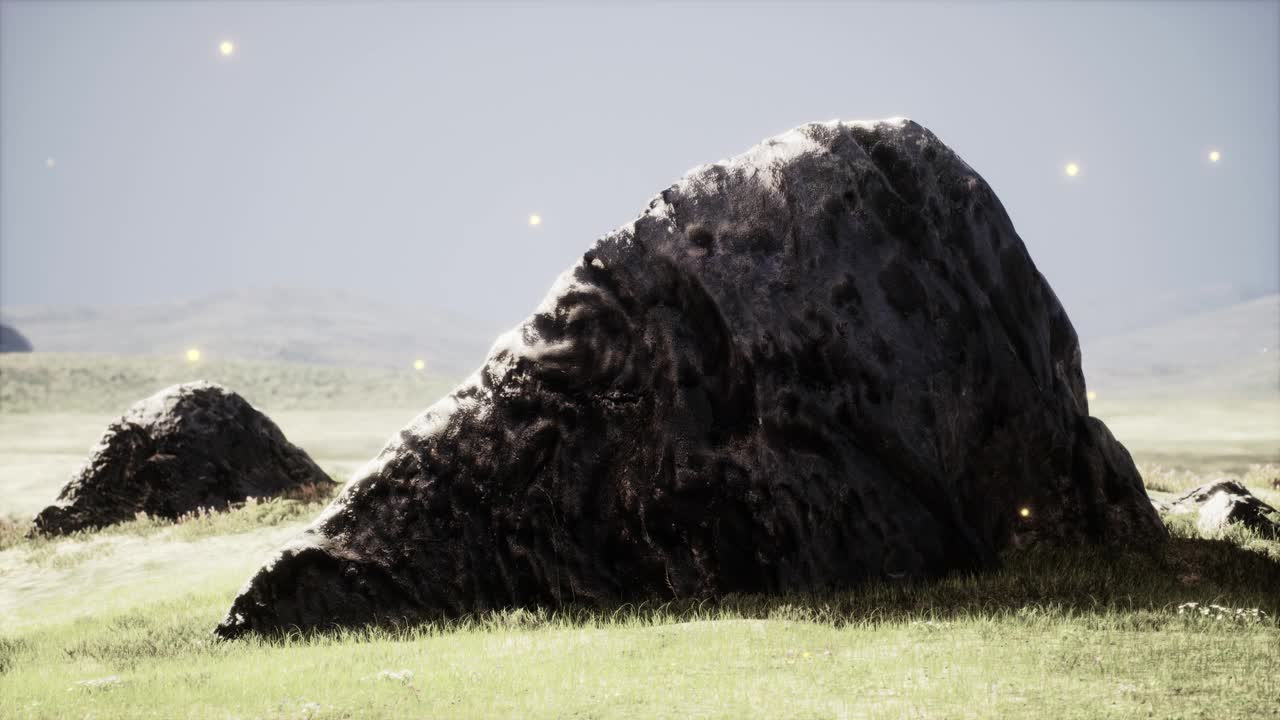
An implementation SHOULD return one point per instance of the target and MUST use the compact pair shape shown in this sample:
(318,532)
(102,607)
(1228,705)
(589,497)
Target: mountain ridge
(323,327)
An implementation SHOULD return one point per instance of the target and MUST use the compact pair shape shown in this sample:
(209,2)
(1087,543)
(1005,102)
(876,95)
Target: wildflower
(403,676)
(1220,612)
(106,683)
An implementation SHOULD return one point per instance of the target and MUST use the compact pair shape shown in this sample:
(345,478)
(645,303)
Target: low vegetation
(1196,434)
(1263,480)
(84,382)
(297,505)
(1189,631)
(116,624)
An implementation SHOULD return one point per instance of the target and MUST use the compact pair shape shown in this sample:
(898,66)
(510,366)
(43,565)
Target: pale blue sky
(396,150)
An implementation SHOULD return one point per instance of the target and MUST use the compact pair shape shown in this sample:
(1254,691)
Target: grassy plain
(116,623)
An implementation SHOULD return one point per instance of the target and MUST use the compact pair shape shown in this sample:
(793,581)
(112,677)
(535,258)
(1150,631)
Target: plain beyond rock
(825,361)
(188,447)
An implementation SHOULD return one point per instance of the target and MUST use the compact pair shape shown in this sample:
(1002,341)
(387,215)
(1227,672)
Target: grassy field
(1199,434)
(44,383)
(1077,634)
(117,623)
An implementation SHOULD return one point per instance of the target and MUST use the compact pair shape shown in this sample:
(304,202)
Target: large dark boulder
(185,448)
(13,341)
(824,361)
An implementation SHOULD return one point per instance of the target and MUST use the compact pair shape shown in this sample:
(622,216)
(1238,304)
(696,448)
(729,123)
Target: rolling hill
(1232,349)
(1227,352)
(329,327)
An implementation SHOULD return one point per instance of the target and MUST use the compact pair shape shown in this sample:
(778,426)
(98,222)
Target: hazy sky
(397,150)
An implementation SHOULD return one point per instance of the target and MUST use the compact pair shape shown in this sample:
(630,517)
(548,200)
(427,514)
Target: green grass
(297,505)
(116,624)
(1196,433)
(1076,633)
(92,383)
(1167,483)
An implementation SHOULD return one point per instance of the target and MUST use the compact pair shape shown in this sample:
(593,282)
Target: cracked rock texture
(187,447)
(827,360)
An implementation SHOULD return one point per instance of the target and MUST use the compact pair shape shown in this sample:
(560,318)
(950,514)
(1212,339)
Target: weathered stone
(13,341)
(824,361)
(1159,501)
(185,448)
(1221,504)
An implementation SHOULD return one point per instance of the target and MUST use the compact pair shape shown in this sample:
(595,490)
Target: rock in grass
(825,361)
(1220,504)
(13,341)
(187,447)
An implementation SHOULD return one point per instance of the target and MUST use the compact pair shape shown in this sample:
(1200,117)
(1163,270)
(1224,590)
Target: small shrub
(311,493)
(10,650)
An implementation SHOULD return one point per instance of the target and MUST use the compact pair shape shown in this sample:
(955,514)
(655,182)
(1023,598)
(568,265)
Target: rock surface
(827,360)
(187,447)
(13,341)
(1221,504)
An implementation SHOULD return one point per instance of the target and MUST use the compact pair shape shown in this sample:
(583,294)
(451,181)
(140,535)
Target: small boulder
(1223,503)
(187,447)
(13,341)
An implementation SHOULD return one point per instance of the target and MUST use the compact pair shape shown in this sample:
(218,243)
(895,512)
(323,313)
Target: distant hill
(12,341)
(1106,316)
(1231,351)
(288,325)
